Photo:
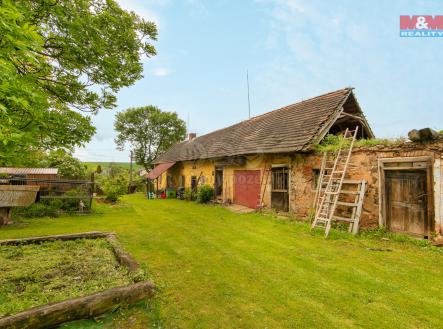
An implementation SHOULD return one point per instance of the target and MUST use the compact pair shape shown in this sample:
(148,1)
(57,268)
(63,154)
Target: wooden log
(53,314)
(423,135)
(63,237)
(122,257)
(414,135)
(428,134)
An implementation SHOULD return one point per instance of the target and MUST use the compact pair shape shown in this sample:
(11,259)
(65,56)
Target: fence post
(92,190)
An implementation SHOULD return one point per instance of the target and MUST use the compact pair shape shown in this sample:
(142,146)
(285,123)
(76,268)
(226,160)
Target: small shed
(30,176)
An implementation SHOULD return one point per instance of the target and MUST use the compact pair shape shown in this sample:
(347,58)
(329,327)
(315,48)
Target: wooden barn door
(246,187)
(406,201)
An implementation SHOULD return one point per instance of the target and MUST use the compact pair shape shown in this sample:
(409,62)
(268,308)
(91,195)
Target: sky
(293,50)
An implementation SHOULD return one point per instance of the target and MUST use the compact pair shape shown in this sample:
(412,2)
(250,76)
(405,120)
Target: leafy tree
(68,166)
(149,132)
(98,170)
(59,61)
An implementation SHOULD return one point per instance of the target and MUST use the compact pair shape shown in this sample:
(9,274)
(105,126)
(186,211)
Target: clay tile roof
(288,129)
(28,171)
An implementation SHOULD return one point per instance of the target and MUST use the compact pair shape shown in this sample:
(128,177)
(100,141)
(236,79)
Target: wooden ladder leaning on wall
(332,177)
(263,184)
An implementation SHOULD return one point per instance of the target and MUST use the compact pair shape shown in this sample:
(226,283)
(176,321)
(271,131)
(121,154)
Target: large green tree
(60,61)
(148,131)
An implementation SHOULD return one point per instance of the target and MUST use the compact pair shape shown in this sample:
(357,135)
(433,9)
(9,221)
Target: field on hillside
(126,165)
(218,269)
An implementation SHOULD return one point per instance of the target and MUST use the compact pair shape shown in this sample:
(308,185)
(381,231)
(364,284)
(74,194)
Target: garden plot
(36,274)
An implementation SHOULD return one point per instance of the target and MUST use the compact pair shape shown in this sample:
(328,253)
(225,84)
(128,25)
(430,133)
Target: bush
(188,195)
(38,210)
(73,204)
(114,186)
(205,194)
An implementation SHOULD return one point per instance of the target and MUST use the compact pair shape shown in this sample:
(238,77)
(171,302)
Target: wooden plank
(63,237)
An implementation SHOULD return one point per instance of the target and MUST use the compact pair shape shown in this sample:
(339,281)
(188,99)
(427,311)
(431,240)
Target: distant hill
(93,165)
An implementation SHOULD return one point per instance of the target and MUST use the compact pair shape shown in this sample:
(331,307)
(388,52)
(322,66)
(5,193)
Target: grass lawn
(37,274)
(217,269)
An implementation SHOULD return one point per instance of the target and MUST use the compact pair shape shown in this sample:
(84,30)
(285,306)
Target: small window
(193,182)
(182,181)
(169,181)
(280,179)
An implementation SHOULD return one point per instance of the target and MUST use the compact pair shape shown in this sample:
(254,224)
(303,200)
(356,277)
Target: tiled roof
(160,169)
(288,129)
(28,171)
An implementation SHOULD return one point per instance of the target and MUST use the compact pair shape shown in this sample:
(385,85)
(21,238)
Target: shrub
(188,195)
(205,194)
(38,210)
(114,186)
(73,204)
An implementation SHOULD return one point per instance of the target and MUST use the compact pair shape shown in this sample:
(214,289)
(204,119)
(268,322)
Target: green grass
(37,274)
(217,269)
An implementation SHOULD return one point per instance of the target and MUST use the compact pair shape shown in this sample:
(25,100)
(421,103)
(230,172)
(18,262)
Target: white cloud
(161,72)
(141,10)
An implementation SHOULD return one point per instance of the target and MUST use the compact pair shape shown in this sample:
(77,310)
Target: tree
(149,132)
(68,166)
(98,170)
(61,60)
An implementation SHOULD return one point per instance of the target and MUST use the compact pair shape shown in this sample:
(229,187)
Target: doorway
(280,189)
(247,187)
(218,184)
(406,195)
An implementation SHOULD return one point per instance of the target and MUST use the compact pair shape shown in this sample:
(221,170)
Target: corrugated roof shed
(28,171)
(288,129)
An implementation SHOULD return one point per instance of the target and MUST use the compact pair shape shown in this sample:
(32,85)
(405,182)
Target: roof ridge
(286,129)
(349,89)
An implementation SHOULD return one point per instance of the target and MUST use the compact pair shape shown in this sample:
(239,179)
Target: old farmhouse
(404,188)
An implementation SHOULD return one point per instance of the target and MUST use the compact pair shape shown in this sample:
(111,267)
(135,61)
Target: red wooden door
(246,187)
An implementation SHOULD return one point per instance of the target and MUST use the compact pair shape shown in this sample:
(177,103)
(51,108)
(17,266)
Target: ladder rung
(349,192)
(328,192)
(349,204)
(352,181)
(344,219)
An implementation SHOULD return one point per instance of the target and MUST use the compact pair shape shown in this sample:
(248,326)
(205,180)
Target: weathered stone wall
(364,165)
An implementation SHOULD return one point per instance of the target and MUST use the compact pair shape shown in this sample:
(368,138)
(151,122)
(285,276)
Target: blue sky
(293,50)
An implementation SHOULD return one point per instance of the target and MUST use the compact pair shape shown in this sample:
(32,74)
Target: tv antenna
(249,101)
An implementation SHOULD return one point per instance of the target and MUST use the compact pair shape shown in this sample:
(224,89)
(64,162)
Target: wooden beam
(51,315)
(64,237)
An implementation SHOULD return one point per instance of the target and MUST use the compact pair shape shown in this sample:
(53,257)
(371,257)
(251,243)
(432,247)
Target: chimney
(191,136)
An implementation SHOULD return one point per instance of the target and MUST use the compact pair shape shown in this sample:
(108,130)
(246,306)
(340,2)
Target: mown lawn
(217,269)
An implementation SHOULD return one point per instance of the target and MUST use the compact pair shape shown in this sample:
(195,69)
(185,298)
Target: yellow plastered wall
(199,168)
(206,168)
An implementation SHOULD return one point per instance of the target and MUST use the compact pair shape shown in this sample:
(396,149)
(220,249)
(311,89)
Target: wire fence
(62,194)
